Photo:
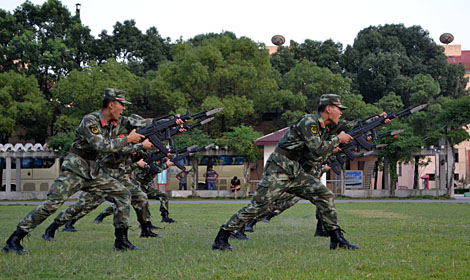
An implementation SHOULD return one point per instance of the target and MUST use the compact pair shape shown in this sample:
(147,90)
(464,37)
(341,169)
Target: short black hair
(321,107)
(105,103)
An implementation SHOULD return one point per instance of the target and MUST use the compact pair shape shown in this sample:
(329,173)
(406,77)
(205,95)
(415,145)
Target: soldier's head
(330,108)
(114,100)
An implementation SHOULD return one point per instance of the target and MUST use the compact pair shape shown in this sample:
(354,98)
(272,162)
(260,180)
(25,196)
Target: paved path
(458,199)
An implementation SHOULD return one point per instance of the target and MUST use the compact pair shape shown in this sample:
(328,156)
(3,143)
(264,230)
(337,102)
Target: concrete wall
(386,193)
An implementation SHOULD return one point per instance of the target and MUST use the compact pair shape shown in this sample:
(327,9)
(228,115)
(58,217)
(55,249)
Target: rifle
(161,130)
(158,156)
(352,151)
(189,151)
(371,124)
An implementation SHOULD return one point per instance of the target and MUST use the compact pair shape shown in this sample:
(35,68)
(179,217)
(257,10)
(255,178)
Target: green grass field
(397,240)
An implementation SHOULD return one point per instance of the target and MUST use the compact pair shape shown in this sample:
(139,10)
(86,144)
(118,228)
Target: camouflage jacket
(124,161)
(309,143)
(94,137)
(312,165)
(145,175)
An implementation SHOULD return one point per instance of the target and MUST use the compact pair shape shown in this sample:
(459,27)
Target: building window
(456,157)
(432,177)
(456,176)
(400,169)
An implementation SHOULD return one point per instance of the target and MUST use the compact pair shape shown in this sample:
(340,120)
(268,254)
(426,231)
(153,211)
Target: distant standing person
(182,178)
(235,186)
(211,176)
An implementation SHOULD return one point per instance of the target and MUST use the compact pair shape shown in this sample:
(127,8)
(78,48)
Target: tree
(306,82)
(384,59)
(82,91)
(23,106)
(214,71)
(325,54)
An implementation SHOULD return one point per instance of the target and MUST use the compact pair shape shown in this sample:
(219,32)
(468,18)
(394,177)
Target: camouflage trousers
(69,183)
(281,178)
(152,193)
(284,202)
(155,193)
(90,201)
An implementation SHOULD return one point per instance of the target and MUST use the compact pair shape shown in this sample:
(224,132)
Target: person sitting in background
(235,186)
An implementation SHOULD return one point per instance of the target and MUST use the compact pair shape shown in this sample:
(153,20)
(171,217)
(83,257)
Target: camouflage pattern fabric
(114,165)
(283,175)
(90,201)
(316,169)
(93,136)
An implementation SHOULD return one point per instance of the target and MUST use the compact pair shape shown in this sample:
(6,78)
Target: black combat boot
(152,226)
(99,218)
(320,231)
(49,234)
(268,218)
(69,226)
(250,226)
(240,235)
(166,219)
(121,243)
(337,238)
(14,242)
(221,241)
(147,230)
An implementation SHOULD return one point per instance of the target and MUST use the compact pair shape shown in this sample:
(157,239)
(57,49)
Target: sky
(259,20)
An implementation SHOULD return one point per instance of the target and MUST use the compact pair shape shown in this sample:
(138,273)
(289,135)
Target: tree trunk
(416,174)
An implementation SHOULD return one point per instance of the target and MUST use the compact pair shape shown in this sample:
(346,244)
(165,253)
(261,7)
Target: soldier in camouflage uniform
(119,166)
(96,135)
(143,177)
(283,173)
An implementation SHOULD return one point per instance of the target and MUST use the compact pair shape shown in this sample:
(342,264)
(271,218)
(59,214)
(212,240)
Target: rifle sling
(83,154)
(286,153)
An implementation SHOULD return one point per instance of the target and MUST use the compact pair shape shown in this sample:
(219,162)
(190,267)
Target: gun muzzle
(214,111)
(418,108)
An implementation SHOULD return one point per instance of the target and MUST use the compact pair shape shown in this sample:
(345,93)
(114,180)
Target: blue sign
(353,178)
(162,178)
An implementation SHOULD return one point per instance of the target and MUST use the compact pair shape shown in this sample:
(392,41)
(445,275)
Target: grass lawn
(397,241)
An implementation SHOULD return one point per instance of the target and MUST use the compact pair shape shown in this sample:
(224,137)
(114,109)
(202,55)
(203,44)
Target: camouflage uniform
(284,174)
(80,171)
(118,165)
(316,169)
(143,177)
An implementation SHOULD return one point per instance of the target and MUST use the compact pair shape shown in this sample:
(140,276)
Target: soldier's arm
(91,129)
(312,138)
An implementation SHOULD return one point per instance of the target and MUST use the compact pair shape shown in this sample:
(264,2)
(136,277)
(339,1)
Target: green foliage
(61,142)
(82,91)
(384,59)
(213,71)
(313,81)
(453,118)
(241,141)
(22,106)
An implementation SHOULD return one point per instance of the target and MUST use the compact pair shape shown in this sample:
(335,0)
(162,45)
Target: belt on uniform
(286,153)
(110,165)
(83,154)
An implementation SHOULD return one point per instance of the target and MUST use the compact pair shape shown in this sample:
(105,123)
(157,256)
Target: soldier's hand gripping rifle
(161,130)
(351,150)
(158,156)
(187,153)
(359,132)
(336,162)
